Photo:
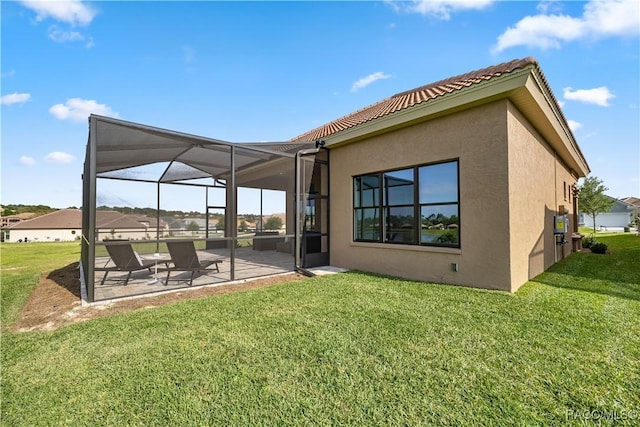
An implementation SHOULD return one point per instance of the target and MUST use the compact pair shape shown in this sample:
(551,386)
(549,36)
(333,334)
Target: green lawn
(22,264)
(349,349)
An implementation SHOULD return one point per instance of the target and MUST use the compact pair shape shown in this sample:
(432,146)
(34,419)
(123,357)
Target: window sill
(414,248)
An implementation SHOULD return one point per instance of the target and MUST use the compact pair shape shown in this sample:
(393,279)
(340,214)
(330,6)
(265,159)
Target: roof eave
(545,115)
(462,99)
(525,87)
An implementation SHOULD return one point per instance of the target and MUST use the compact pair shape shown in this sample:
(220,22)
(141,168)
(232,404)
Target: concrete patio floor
(249,264)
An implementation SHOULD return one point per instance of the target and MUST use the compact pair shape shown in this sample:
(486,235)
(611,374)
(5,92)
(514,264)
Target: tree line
(8,210)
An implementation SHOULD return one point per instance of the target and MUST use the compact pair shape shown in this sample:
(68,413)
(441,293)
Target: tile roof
(72,219)
(631,200)
(61,219)
(414,97)
(21,216)
(113,219)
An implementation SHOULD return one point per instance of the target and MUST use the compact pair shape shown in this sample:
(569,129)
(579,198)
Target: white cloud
(599,96)
(542,31)
(10,73)
(366,81)
(574,125)
(547,6)
(64,36)
(15,98)
(611,18)
(28,161)
(59,157)
(61,36)
(441,9)
(73,12)
(78,109)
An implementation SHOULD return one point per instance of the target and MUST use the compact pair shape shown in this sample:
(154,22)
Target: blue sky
(269,71)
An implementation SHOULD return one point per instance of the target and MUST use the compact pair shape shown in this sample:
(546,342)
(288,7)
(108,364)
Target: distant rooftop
(72,219)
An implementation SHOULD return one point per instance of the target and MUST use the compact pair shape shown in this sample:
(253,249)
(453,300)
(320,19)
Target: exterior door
(312,213)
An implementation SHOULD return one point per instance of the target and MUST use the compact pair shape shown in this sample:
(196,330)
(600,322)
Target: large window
(416,206)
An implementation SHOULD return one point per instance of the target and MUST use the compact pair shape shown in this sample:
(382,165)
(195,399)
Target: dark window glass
(366,191)
(400,224)
(440,225)
(398,187)
(393,219)
(367,224)
(439,183)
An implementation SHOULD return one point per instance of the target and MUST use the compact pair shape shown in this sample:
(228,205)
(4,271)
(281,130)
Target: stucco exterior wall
(57,235)
(538,184)
(66,235)
(478,138)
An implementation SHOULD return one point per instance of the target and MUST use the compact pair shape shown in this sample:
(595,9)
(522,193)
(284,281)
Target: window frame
(361,208)
(383,208)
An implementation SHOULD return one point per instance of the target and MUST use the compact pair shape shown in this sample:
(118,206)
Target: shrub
(448,237)
(588,241)
(599,248)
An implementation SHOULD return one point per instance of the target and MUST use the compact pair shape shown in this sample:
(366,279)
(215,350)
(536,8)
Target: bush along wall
(599,248)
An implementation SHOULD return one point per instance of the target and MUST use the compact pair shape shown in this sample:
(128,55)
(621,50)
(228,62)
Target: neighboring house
(115,225)
(66,225)
(459,181)
(621,214)
(632,201)
(177,227)
(250,226)
(191,230)
(9,221)
(636,208)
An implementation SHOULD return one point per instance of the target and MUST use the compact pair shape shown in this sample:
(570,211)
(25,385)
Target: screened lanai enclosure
(195,211)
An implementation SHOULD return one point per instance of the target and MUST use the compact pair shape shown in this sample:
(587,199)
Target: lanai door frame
(312,208)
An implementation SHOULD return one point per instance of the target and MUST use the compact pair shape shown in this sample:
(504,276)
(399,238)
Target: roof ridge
(57,211)
(412,97)
(60,215)
(505,67)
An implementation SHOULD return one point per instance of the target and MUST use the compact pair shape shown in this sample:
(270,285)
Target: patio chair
(124,258)
(184,258)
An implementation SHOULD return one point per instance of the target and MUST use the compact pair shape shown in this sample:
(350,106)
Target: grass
(355,349)
(588,231)
(22,264)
